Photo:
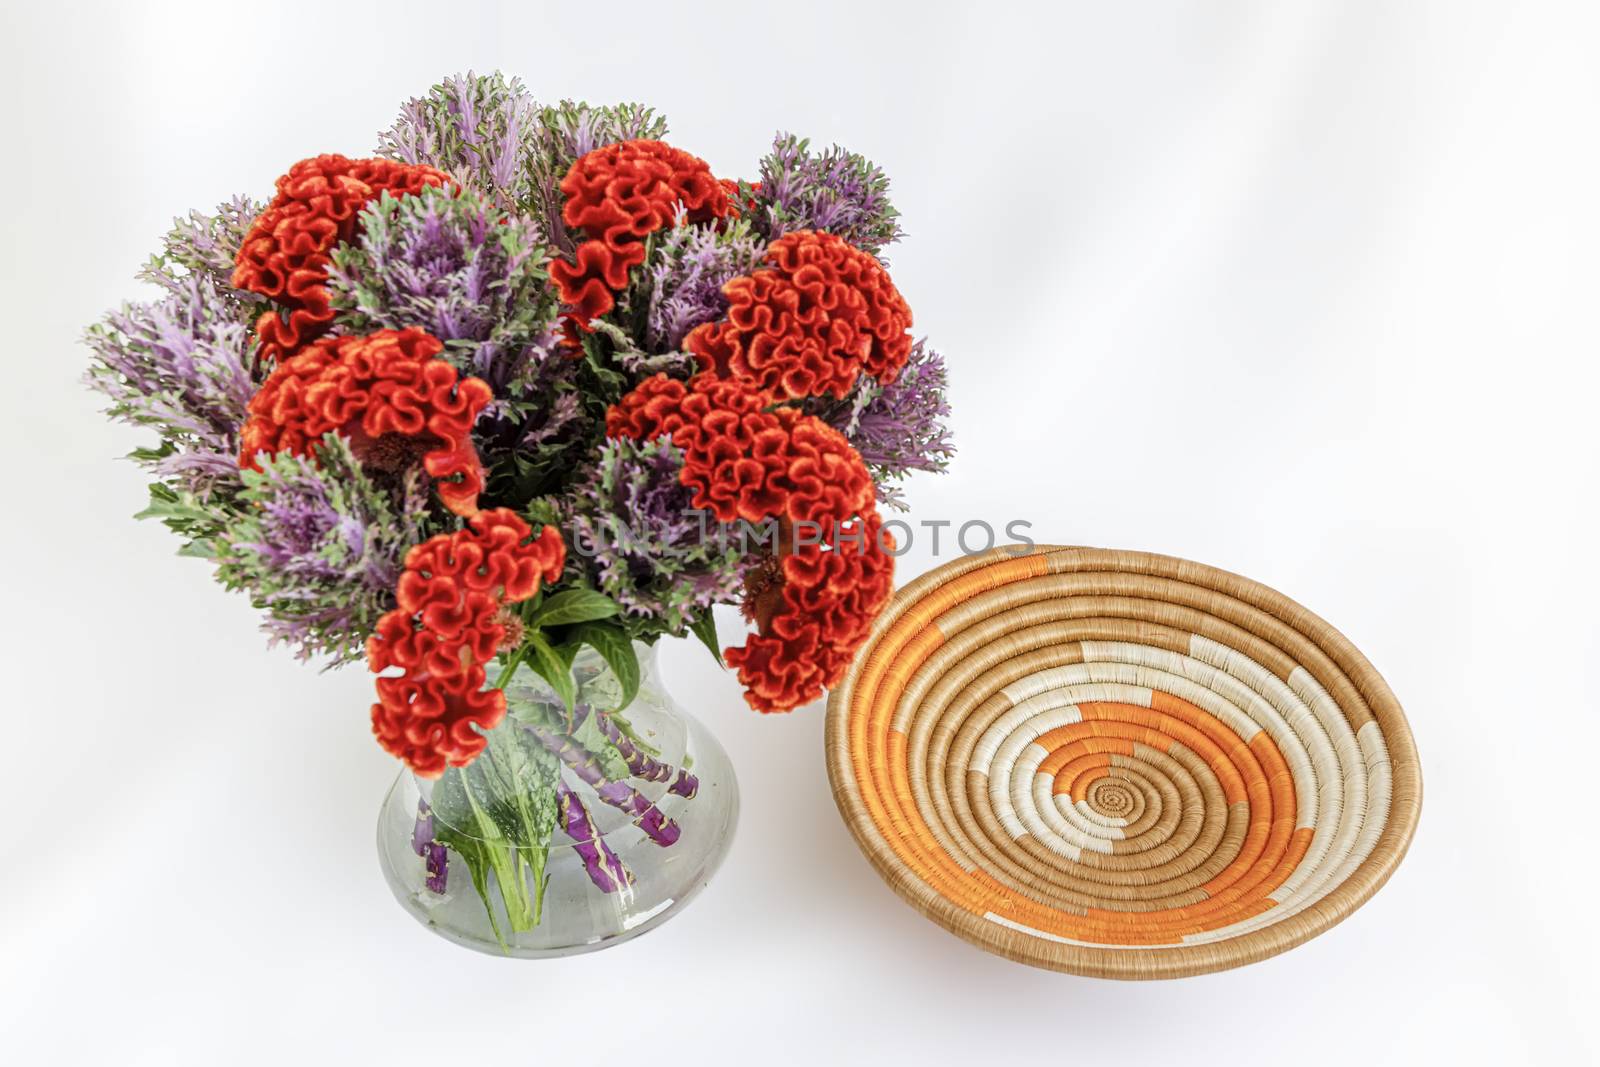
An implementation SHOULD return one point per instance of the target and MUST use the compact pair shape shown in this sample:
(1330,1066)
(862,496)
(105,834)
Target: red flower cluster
(285,253)
(388,394)
(617,196)
(747,462)
(810,322)
(449,623)
(830,595)
(743,461)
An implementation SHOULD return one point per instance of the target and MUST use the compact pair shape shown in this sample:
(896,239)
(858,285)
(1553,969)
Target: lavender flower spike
(605,870)
(836,191)
(900,427)
(692,263)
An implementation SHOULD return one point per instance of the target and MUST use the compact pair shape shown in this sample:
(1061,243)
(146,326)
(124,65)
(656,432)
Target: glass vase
(577,828)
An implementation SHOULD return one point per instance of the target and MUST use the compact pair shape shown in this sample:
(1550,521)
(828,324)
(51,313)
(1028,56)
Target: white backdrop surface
(1304,291)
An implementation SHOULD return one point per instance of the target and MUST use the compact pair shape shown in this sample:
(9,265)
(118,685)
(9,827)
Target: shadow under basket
(574,830)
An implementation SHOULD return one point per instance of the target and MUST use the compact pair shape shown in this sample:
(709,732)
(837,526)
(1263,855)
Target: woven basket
(1120,764)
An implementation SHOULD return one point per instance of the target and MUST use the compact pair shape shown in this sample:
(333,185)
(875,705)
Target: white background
(1305,292)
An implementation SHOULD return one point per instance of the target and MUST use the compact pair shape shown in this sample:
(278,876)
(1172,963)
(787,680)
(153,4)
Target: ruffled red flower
(659,406)
(389,395)
(810,322)
(833,574)
(448,625)
(831,594)
(742,460)
(618,195)
(285,253)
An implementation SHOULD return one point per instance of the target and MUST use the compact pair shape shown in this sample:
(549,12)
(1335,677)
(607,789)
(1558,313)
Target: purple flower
(837,191)
(459,268)
(473,277)
(182,366)
(685,280)
(475,128)
(201,245)
(898,428)
(490,135)
(319,545)
(632,529)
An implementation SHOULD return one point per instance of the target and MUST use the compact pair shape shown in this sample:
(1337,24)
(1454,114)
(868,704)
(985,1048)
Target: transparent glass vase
(635,808)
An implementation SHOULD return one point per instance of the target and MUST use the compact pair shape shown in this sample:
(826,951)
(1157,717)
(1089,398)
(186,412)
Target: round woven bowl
(1120,764)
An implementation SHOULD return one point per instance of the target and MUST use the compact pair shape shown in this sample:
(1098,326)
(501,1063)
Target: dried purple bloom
(458,267)
(898,428)
(202,245)
(683,285)
(318,544)
(474,278)
(837,191)
(181,365)
(474,127)
(635,535)
(488,133)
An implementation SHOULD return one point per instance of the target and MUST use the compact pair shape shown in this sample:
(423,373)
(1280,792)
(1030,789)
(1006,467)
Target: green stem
(512,663)
(507,868)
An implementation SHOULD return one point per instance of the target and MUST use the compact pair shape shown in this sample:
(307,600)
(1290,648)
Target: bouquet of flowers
(531,379)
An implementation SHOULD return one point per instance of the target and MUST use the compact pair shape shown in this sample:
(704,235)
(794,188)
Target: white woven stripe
(1082,807)
(988,746)
(1342,781)
(1321,738)
(1303,720)
(1241,708)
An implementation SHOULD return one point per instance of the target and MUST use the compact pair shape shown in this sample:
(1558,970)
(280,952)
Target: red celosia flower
(618,195)
(832,574)
(810,322)
(743,461)
(448,625)
(285,253)
(659,406)
(389,395)
(831,594)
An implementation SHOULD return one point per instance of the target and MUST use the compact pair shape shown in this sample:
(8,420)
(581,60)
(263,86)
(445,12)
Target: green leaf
(571,606)
(453,827)
(554,666)
(521,777)
(705,628)
(617,650)
(493,825)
